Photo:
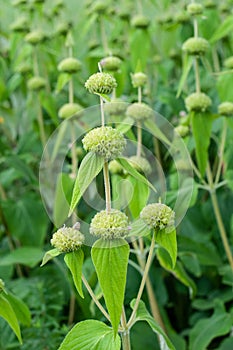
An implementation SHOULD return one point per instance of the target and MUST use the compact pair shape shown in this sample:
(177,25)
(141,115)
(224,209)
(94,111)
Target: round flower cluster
(138,79)
(139,111)
(115,107)
(105,141)
(70,109)
(228,63)
(210,4)
(110,225)
(35,37)
(111,63)
(20,25)
(195,9)
(141,164)
(182,130)
(195,46)
(101,83)
(140,21)
(69,65)
(158,216)
(36,83)
(67,239)
(182,17)
(198,102)
(226,108)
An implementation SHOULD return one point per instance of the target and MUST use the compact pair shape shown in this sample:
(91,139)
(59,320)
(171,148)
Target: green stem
(139,94)
(71,308)
(215,60)
(195,27)
(221,151)
(107,187)
(102,111)
(40,120)
(197,75)
(73,151)
(71,91)
(139,139)
(125,334)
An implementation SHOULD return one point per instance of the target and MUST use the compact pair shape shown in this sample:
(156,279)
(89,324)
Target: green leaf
(90,167)
(187,65)
(143,315)
(49,255)
(225,86)
(201,126)
(125,125)
(104,96)
(20,308)
(133,172)
(139,38)
(139,229)
(74,261)
(167,240)
(63,79)
(28,256)
(48,103)
(91,335)
(110,258)
(7,312)
(205,330)
(140,197)
(223,29)
(154,129)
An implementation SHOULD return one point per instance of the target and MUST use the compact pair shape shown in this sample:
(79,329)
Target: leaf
(125,125)
(90,167)
(91,335)
(201,127)
(48,103)
(74,261)
(167,240)
(110,258)
(139,198)
(205,330)
(154,129)
(7,312)
(49,255)
(187,65)
(28,256)
(63,79)
(139,229)
(104,97)
(143,315)
(223,29)
(225,86)
(139,38)
(133,172)
(20,308)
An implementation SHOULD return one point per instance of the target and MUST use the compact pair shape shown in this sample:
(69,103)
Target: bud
(158,216)
(141,164)
(228,63)
(67,239)
(140,21)
(115,107)
(195,9)
(35,37)
(198,102)
(115,167)
(110,225)
(101,83)
(36,83)
(69,65)
(70,109)
(138,79)
(111,63)
(226,109)
(105,141)
(139,111)
(182,130)
(195,46)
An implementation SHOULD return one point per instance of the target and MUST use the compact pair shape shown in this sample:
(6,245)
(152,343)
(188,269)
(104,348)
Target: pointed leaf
(91,334)
(20,308)
(110,258)
(223,29)
(187,65)
(49,255)
(125,125)
(167,240)
(63,79)
(28,256)
(90,167)
(143,315)
(154,129)
(140,197)
(7,312)
(74,261)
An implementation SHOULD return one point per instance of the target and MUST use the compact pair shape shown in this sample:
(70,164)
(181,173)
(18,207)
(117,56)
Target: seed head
(101,83)
(210,4)
(198,102)
(111,63)
(24,68)
(110,225)
(62,28)
(69,65)
(141,164)
(195,9)
(20,25)
(140,21)
(115,107)
(35,37)
(158,216)
(70,109)
(16,3)
(228,63)
(195,46)
(138,79)
(67,239)
(182,17)
(105,141)
(36,83)
(139,111)
(226,109)
(182,130)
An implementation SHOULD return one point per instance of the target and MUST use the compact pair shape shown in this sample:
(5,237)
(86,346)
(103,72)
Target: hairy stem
(107,187)
(71,308)
(139,139)
(125,335)
(102,111)
(139,94)
(221,151)
(197,75)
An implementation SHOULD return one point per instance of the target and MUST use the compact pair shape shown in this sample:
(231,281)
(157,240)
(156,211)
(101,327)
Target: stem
(139,94)
(195,27)
(215,60)
(146,271)
(71,309)
(107,187)
(102,111)
(197,75)
(219,217)
(139,139)
(71,91)
(125,335)
(35,62)
(73,151)
(40,120)
(96,301)
(221,151)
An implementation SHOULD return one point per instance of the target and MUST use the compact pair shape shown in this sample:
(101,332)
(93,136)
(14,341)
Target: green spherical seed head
(195,46)
(140,21)
(225,8)
(99,7)
(182,17)
(141,164)
(62,28)
(115,168)
(67,239)
(24,68)
(105,141)
(198,102)
(226,109)
(210,4)
(70,109)
(101,83)
(36,83)
(69,65)
(35,37)
(228,63)
(195,9)
(158,216)
(115,107)
(182,130)
(20,25)
(139,111)
(138,79)
(111,63)
(110,225)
